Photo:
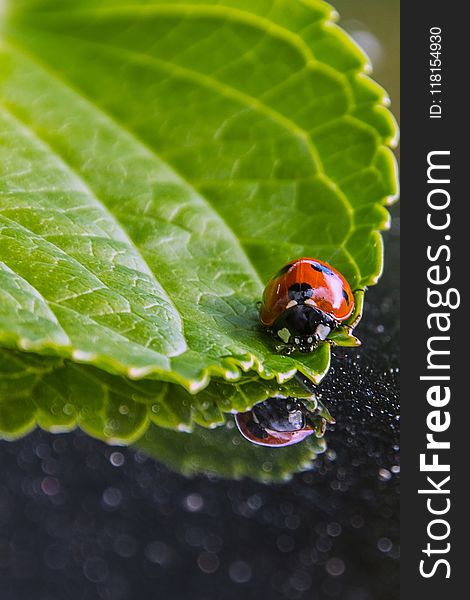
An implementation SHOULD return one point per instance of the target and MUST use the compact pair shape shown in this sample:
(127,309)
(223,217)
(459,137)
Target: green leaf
(60,395)
(225,453)
(160,160)
(165,421)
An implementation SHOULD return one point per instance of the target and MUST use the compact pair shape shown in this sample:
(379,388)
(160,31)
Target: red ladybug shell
(272,438)
(330,292)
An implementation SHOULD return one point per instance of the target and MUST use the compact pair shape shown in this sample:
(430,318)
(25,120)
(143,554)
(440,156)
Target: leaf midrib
(118,124)
(137,140)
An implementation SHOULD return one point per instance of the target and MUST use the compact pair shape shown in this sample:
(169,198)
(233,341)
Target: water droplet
(193,502)
(95,570)
(334,529)
(384,544)
(240,571)
(208,562)
(335,567)
(50,486)
(117,459)
(385,475)
(112,497)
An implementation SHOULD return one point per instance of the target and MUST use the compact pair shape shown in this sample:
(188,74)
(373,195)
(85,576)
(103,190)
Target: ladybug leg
(342,336)
(345,338)
(284,349)
(356,316)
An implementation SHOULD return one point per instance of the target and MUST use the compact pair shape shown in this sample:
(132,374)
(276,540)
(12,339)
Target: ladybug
(304,302)
(279,421)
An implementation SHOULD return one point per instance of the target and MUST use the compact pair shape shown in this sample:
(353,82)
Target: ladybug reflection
(279,421)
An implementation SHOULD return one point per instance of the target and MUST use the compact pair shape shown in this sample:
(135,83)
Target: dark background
(80,520)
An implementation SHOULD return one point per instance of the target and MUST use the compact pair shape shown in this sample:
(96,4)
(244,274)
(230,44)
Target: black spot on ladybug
(300,292)
(284,270)
(321,268)
(345,296)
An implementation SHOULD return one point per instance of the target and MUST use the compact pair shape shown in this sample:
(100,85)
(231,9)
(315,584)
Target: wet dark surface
(80,520)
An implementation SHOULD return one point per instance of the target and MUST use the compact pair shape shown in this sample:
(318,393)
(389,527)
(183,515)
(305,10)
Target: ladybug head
(278,421)
(303,326)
